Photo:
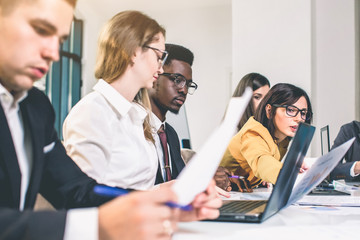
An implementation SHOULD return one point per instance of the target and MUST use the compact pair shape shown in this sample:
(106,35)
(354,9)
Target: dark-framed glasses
(180,81)
(293,111)
(164,55)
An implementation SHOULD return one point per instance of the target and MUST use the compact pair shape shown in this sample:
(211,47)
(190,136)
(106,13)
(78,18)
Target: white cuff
(82,223)
(352,171)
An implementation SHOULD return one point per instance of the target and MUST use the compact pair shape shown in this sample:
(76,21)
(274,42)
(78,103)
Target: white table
(294,222)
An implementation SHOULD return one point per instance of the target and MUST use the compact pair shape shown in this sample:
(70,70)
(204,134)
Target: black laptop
(259,210)
(325,140)
(325,187)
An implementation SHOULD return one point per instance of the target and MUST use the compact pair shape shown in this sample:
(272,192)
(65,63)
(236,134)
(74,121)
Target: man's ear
(268,111)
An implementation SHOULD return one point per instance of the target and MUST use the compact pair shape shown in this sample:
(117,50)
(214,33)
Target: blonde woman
(107,133)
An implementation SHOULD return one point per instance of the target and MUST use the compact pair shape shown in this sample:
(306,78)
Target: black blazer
(342,170)
(54,175)
(177,163)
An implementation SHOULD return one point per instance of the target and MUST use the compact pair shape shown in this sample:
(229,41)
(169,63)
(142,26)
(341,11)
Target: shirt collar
(120,104)
(156,122)
(138,112)
(7,99)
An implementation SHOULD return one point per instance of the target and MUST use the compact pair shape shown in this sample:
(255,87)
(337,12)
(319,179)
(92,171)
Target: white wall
(205,30)
(272,38)
(92,25)
(310,44)
(334,64)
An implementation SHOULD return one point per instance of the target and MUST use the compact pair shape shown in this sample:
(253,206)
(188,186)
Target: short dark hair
(178,52)
(282,94)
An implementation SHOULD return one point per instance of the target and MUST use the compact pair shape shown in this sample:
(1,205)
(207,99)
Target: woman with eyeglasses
(109,137)
(108,133)
(255,152)
(260,86)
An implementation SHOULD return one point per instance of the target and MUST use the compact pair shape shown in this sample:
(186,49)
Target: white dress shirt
(156,124)
(352,170)
(104,135)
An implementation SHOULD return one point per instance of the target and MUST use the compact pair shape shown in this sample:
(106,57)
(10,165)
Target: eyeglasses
(293,111)
(180,81)
(164,55)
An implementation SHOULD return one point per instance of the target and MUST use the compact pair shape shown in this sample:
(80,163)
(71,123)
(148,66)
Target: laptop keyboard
(241,206)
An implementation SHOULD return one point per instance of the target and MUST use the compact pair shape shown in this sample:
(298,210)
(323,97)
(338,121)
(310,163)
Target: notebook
(259,210)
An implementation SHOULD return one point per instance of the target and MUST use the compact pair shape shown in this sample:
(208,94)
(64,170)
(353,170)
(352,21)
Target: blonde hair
(142,98)
(118,41)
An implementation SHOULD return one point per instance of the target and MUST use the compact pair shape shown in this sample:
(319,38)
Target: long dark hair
(255,81)
(282,94)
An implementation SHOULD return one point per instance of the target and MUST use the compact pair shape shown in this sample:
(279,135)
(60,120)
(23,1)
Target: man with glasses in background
(169,94)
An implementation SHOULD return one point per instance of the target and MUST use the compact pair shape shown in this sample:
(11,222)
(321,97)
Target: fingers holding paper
(205,206)
(138,215)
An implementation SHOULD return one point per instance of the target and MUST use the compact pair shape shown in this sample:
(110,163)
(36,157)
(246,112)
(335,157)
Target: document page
(318,171)
(197,174)
(333,201)
(257,194)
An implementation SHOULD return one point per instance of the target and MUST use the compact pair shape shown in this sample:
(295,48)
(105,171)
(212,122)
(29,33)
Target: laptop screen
(290,169)
(325,140)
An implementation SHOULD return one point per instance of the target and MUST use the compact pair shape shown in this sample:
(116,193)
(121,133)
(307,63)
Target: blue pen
(115,192)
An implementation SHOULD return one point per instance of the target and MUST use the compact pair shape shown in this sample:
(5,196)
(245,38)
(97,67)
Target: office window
(63,82)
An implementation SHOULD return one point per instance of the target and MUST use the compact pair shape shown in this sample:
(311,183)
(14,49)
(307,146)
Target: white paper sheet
(334,201)
(258,194)
(318,171)
(197,174)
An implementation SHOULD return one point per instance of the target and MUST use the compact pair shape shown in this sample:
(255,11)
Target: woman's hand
(242,183)
(267,184)
(221,178)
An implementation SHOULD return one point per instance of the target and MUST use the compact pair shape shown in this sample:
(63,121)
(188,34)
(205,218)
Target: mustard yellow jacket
(254,154)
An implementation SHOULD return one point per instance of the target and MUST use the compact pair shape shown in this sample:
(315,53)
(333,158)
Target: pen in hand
(116,192)
(236,176)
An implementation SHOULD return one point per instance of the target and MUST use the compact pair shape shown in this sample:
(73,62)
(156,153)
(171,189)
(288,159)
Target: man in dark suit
(33,160)
(169,93)
(350,169)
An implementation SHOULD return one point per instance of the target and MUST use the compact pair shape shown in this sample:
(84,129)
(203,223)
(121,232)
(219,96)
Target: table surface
(293,222)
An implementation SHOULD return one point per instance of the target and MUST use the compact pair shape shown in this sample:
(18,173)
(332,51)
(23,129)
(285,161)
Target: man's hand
(222,192)
(139,215)
(304,167)
(357,168)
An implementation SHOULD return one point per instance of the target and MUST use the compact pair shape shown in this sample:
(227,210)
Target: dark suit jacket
(177,163)
(342,170)
(54,175)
